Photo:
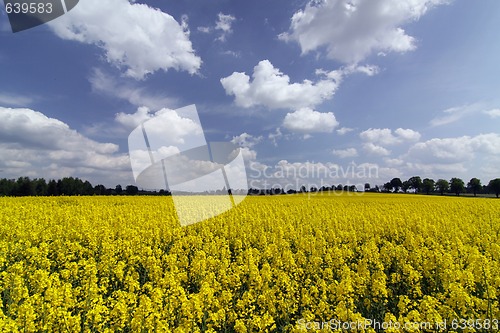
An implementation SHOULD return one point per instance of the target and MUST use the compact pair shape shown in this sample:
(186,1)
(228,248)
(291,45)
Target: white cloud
(248,154)
(33,129)
(136,96)
(494,113)
(35,145)
(453,150)
(351,30)
(274,137)
(307,120)
(373,149)
(344,130)
(394,162)
(15,100)
(205,30)
(436,170)
(224,24)
(454,114)
(384,136)
(369,70)
(344,153)
(272,88)
(407,134)
(234,54)
(135,37)
(125,122)
(246,140)
(169,127)
(132,120)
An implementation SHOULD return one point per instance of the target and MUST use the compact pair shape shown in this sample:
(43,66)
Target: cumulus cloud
(29,128)
(35,145)
(384,136)
(453,150)
(248,154)
(351,30)
(306,120)
(135,37)
(344,153)
(407,134)
(373,149)
(271,88)
(168,126)
(132,120)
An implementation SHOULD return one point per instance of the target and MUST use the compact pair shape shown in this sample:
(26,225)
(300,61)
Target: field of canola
(273,264)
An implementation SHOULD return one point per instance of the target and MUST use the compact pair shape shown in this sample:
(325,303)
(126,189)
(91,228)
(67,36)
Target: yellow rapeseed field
(291,263)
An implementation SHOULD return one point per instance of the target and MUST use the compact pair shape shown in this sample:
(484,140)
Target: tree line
(454,185)
(24,186)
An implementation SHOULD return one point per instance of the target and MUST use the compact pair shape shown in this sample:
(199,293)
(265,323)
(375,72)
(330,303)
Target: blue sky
(404,87)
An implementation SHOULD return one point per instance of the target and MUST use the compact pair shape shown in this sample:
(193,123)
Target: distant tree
(41,187)
(25,187)
(474,185)
(52,188)
(494,186)
(118,189)
(70,186)
(367,187)
(88,189)
(406,186)
(387,187)
(428,185)
(313,189)
(100,189)
(7,187)
(442,186)
(131,190)
(457,186)
(339,187)
(303,189)
(396,184)
(415,183)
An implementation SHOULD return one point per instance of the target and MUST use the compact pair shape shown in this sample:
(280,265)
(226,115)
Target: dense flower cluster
(123,264)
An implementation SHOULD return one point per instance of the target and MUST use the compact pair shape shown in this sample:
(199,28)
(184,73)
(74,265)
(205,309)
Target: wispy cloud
(135,95)
(15,100)
(454,114)
(494,113)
